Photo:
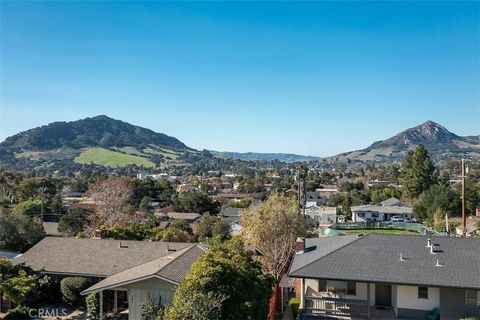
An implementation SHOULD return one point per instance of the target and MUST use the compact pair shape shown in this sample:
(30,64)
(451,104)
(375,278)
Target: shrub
(93,307)
(18,313)
(152,310)
(294,305)
(71,288)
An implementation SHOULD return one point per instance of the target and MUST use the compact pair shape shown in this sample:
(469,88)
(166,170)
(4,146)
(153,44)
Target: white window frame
(476,300)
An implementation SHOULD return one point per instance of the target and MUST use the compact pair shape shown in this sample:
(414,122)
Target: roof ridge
(333,251)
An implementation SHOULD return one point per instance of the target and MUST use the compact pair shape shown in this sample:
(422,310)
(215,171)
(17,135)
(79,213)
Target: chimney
(100,234)
(300,245)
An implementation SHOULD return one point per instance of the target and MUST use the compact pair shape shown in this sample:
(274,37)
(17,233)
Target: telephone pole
(302,186)
(464,221)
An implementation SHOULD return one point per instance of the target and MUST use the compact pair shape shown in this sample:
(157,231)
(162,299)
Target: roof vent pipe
(401,257)
(429,243)
(438,264)
(432,251)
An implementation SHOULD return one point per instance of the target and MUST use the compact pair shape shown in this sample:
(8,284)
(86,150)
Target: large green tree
(19,232)
(418,173)
(225,283)
(192,201)
(438,200)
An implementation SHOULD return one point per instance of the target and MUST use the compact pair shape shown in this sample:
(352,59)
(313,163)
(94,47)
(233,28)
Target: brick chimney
(300,245)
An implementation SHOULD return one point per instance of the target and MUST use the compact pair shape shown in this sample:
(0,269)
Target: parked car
(397,219)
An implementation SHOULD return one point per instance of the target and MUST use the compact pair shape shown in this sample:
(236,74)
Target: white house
(383,212)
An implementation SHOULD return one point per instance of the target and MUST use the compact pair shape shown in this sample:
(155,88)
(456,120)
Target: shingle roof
(383,209)
(391,202)
(376,258)
(173,267)
(232,212)
(184,215)
(94,257)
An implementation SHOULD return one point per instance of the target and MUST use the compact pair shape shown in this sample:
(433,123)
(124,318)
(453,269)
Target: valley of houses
(370,276)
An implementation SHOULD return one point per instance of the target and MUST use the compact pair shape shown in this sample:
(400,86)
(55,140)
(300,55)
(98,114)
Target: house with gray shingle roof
(132,270)
(388,276)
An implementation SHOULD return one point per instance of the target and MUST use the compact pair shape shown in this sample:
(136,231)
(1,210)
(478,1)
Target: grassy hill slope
(110,158)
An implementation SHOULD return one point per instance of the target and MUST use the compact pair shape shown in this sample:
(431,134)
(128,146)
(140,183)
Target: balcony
(332,306)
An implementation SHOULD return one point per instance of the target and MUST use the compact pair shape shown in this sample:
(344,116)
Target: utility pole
(464,221)
(302,187)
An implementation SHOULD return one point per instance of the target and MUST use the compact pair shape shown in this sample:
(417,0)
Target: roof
(383,209)
(232,212)
(172,267)
(51,228)
(89,257)
(391,202)
(376,258)
(184,215)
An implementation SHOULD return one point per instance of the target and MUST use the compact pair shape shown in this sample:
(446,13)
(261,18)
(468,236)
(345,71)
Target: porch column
(115,301)
(303,293)
(368,300)
(101,305)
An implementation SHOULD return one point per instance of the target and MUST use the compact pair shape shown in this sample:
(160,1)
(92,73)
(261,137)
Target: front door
(383,295)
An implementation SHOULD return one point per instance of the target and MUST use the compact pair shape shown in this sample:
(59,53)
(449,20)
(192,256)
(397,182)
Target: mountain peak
(430,128)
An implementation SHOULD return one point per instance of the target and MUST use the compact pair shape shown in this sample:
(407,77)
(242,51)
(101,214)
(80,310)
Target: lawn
(382,231)
(110,158)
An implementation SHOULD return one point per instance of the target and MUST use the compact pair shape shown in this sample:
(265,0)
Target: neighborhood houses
(239,160)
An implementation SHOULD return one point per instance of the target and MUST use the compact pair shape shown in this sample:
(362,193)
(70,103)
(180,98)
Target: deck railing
(335,306)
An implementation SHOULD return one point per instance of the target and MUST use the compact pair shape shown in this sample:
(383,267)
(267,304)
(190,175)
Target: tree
(379,195)
(211,227)
(19,232)
(417,173)
(225,283)
(192,201)
(438,200)
(273,227)
(30,207)
(178,231)
(34,188)
(15,282)
(111,196)
(72,222)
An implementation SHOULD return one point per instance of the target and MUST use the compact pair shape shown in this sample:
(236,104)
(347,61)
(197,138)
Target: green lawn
(110,158)
(383,231)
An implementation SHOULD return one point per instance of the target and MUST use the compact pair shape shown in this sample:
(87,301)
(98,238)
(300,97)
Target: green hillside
(110,158)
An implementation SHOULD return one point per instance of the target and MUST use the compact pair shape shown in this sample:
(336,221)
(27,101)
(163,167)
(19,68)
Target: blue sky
(310,78)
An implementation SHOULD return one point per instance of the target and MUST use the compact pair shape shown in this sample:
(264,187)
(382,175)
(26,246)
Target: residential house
(322,215)
(131,270)
(387,276)
(314,198)
(383,212)
(190,217)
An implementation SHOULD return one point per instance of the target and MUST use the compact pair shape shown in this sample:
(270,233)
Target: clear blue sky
(310,78)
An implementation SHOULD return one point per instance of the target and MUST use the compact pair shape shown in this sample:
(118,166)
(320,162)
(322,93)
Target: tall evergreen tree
(418,173)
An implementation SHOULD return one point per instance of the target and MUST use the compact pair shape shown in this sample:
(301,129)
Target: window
(352,288)
(322,285)
(422,292)
(471,298)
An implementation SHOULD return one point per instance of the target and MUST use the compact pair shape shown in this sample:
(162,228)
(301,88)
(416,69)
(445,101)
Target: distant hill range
(66,147)
(442,145)
(257,156)
(99,141)
(99,131)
